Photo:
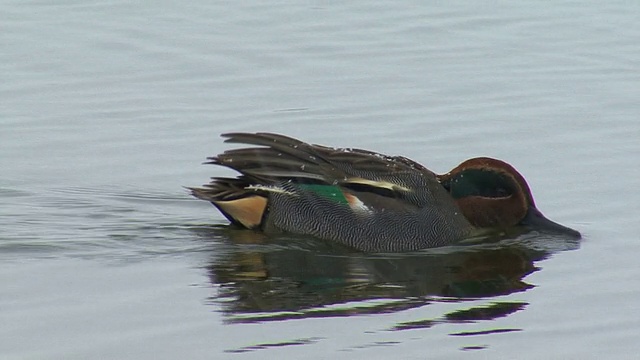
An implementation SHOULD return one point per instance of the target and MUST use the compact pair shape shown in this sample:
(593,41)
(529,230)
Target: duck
(366,200)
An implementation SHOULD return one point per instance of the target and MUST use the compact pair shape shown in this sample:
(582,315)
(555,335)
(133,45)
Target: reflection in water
(494,311)
(262,279)
(273,345)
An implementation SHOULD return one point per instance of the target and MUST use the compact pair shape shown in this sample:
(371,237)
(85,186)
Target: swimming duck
(366,200)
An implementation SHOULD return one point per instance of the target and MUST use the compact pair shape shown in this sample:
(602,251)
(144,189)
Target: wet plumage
(365,200)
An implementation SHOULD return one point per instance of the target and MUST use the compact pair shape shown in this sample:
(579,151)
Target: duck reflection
(260,279)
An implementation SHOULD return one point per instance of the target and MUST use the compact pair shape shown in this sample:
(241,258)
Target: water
(108,109)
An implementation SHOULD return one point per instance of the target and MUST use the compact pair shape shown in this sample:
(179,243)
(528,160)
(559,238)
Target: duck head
(492,194)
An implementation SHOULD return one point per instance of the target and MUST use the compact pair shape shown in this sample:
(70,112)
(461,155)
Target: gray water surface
(108,108)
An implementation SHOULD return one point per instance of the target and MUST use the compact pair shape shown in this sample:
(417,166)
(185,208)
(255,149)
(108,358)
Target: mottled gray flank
(406,229)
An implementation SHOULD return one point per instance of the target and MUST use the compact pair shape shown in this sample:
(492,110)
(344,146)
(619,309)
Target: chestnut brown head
(492,194)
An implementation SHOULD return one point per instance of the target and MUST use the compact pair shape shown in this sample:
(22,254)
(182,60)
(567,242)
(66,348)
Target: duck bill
(535,220)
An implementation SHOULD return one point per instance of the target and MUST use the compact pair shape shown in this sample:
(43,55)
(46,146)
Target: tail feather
(235,199)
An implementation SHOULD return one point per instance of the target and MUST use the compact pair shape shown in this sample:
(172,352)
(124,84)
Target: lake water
(108,108)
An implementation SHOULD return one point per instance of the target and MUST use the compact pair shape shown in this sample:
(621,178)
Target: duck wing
(277,158)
